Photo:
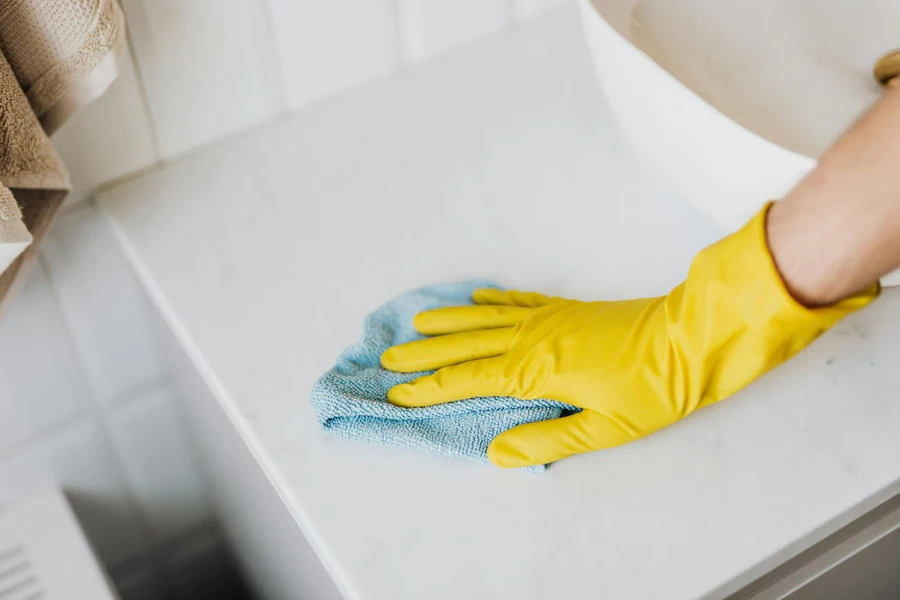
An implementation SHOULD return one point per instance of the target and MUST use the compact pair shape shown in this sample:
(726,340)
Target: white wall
(86,394)
(200,70)
(87,399)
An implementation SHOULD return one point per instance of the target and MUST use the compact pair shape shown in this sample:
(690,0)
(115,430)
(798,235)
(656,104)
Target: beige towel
(55,56)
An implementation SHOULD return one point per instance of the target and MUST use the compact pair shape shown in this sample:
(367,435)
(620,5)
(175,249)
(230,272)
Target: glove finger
(444,350)
(510,297)
(544,442)
(458,382)
(454,319)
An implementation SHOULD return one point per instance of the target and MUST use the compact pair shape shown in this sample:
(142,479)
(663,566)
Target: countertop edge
(229,407)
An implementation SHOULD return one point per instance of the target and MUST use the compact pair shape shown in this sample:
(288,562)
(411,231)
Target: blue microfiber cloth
(350,400)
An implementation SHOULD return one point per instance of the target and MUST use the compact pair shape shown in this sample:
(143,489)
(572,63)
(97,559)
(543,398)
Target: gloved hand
(633,366)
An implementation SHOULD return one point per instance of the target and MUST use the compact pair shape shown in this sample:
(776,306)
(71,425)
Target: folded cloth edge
(343,412)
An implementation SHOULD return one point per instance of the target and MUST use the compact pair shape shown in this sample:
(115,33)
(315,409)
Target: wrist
(795,243)
(825,254)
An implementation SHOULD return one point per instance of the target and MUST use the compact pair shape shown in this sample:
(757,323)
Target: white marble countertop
(499,160)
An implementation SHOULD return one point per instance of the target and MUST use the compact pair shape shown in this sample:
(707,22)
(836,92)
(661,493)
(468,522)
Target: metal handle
(887,69)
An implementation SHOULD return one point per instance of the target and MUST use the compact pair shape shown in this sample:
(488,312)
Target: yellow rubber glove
(633,366)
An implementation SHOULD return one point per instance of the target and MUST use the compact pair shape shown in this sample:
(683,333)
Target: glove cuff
(743,266)
(734,319)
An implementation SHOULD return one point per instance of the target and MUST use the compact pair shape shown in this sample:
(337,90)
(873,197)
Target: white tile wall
(111,321)
(41,381)
(432,26)
(149,436)
(325,47)
(204,69)
(208,67)
(109,138)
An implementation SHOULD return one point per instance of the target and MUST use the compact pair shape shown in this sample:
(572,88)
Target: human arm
(838,231)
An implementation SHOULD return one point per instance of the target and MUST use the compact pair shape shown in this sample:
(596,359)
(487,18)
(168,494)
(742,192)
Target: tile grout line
(115,405)
(280,86)
(121,180)
(134,393)
(145,98)
(400,50)
(512,13)
(404,40)
(46,434)
(142,522)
